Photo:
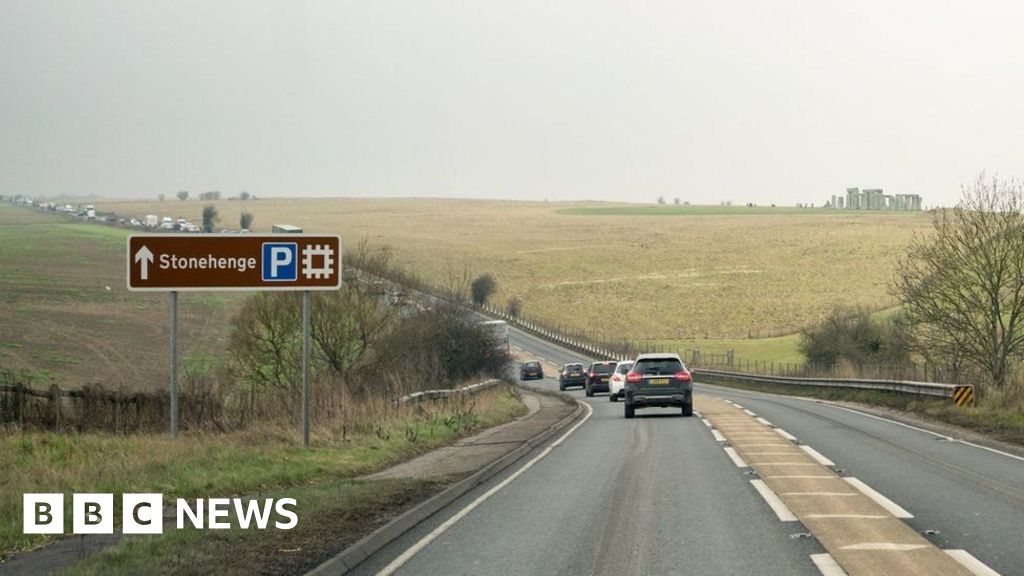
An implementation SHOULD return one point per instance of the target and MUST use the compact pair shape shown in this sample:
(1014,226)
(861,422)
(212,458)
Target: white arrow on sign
(144,257)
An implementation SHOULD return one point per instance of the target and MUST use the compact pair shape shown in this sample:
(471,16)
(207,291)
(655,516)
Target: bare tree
(245,220)
(210,217)
(182,195)
(483,287)
(964,283)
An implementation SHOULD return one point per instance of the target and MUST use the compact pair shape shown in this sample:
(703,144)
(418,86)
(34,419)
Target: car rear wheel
(630,411)
(589,391)
(613,397)
(688,409)
(561,386)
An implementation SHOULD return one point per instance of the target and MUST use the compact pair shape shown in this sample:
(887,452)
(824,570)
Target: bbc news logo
(143,513)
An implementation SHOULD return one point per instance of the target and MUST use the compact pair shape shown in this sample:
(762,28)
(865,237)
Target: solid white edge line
(774,502)
(763,421)
(718,435)
(738,406)
(827,565)
(893,508)
(785,434)
(817,456)
(735,457)
(976,567)
(748,412)
(936,434)
(433,535)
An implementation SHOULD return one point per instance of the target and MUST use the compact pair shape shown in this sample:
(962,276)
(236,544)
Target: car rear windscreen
(531,365)
(623,368)
(658,367)
(603,368)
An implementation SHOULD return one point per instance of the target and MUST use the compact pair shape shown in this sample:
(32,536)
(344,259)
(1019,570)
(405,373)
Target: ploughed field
(638,272)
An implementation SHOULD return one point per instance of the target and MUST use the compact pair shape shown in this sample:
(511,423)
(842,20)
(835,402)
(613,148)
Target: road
(659,495)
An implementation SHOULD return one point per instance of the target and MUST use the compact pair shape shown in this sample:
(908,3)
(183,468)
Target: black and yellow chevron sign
(963,395)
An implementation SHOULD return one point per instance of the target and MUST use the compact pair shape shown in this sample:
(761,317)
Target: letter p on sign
(280,261)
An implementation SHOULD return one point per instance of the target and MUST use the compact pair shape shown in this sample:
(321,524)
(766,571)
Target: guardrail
(448,393)
(899,386)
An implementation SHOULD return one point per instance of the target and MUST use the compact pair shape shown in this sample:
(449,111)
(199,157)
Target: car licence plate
(658,381)
(605,379)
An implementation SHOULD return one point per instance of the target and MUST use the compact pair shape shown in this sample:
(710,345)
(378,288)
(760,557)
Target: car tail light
(592,374)
(634,377)
(683,376)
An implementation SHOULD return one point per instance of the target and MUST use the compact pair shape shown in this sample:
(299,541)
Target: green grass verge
(332,516)
(220,465)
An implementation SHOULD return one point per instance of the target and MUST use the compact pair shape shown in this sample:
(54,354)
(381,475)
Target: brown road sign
(164,262)
(963,395)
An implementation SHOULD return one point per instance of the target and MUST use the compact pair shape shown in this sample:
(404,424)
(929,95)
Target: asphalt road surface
(659,495)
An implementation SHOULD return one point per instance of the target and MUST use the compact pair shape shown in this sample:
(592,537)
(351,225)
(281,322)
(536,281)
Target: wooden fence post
(19,403)
(55,407)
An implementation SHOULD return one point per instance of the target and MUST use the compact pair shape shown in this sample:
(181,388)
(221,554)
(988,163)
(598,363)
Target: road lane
(961,496)
(653,495)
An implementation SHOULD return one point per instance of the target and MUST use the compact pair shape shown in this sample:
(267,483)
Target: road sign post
(196,262)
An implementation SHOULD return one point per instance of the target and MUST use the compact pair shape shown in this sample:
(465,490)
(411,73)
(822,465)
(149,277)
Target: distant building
(876,199)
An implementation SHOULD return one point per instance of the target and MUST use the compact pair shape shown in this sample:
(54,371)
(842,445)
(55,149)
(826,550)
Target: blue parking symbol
(280,261)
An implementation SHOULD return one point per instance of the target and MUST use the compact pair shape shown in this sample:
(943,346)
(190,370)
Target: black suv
(598,374)
(531,369)
(659,380)
(572,375)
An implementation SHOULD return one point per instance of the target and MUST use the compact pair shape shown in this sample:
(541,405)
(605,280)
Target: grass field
(734,272)
(66,317)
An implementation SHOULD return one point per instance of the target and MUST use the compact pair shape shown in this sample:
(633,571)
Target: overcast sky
(775,101)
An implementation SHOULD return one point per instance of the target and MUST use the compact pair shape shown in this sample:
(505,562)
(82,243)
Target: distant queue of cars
(651,380)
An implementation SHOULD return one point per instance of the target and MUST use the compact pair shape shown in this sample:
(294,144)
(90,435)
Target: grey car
(660,380)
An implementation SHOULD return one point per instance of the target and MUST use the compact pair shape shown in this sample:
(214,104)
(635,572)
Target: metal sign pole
(174,363)
(305,368)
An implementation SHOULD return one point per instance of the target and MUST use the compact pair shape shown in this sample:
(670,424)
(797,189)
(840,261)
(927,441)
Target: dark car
(659,380)
(572,375)
(531,370)
(598,375)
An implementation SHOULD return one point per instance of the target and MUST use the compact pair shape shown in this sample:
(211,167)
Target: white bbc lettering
(195,516)
(218,508)
(92,513)
(142,513)
(43,514)
(282,510)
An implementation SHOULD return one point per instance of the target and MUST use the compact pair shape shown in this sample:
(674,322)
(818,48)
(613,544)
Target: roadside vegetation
(262,458)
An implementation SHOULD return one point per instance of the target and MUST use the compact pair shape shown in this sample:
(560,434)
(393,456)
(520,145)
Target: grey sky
(773,101)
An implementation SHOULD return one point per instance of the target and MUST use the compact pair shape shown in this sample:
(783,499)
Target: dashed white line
(735,457)
(764,422)
(817,456)
(827,565)
(718,435)
(749,413)
(774,502)
(976,567)
(426,540)
(706,423)
(785,434)
(803,476)
(882,501)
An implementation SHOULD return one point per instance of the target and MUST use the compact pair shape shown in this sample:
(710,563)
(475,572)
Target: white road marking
(936,434)
(977,567)
(718,435)
(862,516)
(770,453)
(815,464)
(748,412)
(774,444)
(827,565)
(426,540)
(764,422)
(774,502)
(706,423)
(817,456)
(803,476)
(886,546)
(785,434)
(735,458)
(882,501)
